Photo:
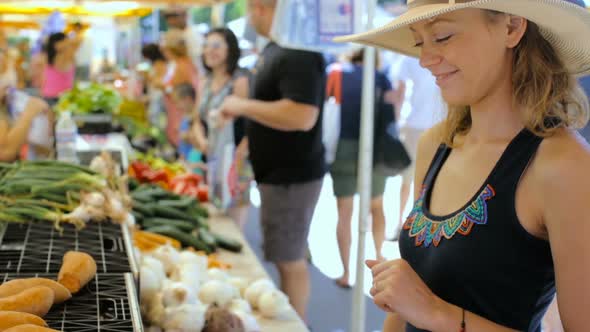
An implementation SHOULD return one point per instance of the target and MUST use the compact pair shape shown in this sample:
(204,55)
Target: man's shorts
(285,215)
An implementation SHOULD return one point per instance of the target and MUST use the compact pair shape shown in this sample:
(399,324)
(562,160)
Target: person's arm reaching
(15,137)
(301,92)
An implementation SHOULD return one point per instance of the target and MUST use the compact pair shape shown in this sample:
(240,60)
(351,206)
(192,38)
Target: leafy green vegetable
(94,99)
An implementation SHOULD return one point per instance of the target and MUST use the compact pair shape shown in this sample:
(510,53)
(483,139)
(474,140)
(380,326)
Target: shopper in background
(60,70)
(344,170)
(501,219)
(180,71)
(15,124)
(155,81)
(425,107)
(221,54)
(185,98)
(286,149)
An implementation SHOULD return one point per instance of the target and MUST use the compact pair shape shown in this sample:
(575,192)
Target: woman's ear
(517,26)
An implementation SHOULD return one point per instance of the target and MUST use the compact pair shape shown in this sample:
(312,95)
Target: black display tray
(107,303)
(37,247)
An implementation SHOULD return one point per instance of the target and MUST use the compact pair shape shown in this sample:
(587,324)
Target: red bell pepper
(203,194)
(157,176)
(140,171)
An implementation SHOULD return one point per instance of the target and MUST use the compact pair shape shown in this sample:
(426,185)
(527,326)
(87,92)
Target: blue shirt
(352,89)
(184,147)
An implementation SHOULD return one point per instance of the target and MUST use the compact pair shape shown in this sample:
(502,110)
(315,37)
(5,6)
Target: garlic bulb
(248,320)
(240,305)
(169,257)
(218,293)
(150,282)
(155,310)
(240,283)
(176,294)
(254,291)
(155,265)
(189,274)
(185,318)
(217,274)
(273,303)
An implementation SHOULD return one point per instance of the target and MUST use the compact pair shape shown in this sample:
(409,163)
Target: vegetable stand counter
(247,265)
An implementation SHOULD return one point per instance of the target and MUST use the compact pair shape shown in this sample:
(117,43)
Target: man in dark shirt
(286,150)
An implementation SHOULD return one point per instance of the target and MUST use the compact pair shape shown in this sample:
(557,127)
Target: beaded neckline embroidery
(427,231)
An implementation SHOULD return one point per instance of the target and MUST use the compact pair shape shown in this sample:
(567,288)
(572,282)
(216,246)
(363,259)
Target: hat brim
(565,25)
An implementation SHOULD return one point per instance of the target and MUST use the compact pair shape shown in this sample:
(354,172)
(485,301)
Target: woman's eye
(419,44)
(444,39)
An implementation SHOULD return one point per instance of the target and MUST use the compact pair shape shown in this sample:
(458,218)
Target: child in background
(185,98)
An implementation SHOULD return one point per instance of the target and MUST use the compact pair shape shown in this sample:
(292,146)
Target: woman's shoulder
(563,157)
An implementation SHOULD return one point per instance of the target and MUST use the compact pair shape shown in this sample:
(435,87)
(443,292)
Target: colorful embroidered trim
(428,231)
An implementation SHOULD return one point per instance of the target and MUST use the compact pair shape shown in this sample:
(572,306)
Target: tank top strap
(441,155)
(515,160)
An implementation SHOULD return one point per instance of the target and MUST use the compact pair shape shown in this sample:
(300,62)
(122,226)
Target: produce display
(180,291)
(171,176)
(59,192)
(24,302)
(178,217)
(94,99)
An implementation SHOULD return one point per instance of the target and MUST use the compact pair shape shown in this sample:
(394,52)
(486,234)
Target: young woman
(501,216)
(180,71)
(60,69)
(221,54)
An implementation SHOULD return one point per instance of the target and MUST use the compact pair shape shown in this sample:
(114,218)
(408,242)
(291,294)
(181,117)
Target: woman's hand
(398,289)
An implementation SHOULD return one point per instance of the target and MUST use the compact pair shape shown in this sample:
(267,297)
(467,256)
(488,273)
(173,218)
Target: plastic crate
(107,303)
(37,247)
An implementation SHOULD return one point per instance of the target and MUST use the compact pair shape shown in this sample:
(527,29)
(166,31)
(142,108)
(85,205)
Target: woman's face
(215,51)
(466,52)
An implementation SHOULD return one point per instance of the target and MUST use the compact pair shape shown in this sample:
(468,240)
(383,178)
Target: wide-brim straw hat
(565,25)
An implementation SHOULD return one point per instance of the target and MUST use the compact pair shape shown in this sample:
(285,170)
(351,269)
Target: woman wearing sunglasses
(221,53)
(501,218)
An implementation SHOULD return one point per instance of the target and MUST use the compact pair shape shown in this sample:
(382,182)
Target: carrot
(30,328)
(16,286)
(77,270)
(37,301)
(10,319)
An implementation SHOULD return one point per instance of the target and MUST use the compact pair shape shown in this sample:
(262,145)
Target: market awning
(85,8)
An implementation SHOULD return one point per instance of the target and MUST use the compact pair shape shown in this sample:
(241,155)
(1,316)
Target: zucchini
(227,244)
(183,202)
(182,225)
(143,209)
(208,238)
(187,240)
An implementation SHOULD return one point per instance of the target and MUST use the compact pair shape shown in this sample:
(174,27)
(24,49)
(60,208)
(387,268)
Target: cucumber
(199,211)
(143,209)
(207,237)
(144,196)
(133,184)
(183,202)
(182,225)
(170,212)
(138,217)
(227,244)
(187,240)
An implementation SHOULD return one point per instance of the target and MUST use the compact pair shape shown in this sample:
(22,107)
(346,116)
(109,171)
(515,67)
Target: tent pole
(365,174)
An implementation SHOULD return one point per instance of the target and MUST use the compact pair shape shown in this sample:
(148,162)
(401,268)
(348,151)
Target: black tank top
(480,258)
